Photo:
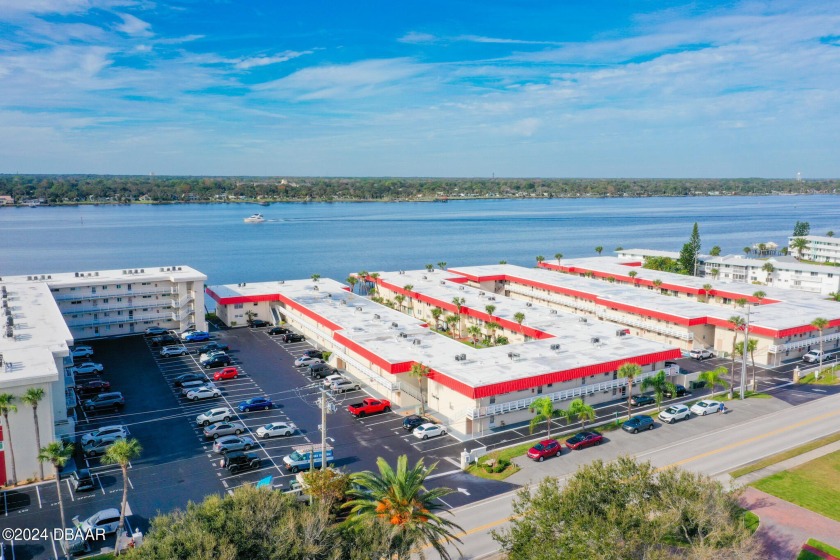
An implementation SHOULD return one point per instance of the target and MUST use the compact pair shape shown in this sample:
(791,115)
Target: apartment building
(819,249)
(779,272)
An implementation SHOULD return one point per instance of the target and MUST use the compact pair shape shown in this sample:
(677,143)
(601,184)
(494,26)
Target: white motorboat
(254,219)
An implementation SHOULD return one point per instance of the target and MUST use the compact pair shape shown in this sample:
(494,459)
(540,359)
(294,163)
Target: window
(238,305)
(119,299)
(105,300)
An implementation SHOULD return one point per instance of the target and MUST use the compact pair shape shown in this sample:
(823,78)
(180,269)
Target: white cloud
(482,39)
(263,60)
(132,25)
(417,37)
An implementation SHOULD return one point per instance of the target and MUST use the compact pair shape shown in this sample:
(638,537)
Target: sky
(571,88)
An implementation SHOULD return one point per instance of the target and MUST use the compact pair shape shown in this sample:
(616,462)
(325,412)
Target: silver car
(208,391)
(214,415)
(100,446)
(103,432)
(179,350)
(215,431)
(344,385)
(232,443)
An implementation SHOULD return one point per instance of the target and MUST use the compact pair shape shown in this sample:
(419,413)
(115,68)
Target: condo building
(779,272)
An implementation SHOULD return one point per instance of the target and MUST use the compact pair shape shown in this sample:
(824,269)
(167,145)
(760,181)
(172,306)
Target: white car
(179,350)
(193,385)
(208,391)
(701,354)
(276,429)
(81,351)
(675,413)
(107,519)
(208,355)
(307,361)
(214,415)
(425,431)
(705,407)
(87,367)
(330,379)
(344,385)
(104,431)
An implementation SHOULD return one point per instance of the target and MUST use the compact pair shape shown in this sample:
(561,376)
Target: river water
(334,239)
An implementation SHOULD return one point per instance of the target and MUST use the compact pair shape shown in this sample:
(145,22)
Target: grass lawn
(828,377)
(779,457)
(751,521)
(807,555)
(814,485)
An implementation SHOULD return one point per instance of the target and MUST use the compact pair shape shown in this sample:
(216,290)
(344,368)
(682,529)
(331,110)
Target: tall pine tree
(690,251)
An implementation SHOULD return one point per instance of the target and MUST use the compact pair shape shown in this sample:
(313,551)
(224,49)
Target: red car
(226,373)
(584,439)
(545,448)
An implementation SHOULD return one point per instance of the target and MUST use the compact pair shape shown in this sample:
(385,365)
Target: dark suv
(258,323)
(320,371)
(278,330)
(105,401)
(642,400)
(237,461)
(210,346)
(165,340)
(637,424)
(411,422)
(292,337)
(217,361)
(680,391)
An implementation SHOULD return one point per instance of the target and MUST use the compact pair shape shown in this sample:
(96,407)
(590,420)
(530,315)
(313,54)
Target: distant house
(6,200)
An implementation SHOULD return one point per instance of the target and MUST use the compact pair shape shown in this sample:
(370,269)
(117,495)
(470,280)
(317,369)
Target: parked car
(705,407)
(701,354)
(255,403)
(195,336)
(214,415)
(369,406)
(187,377)
(638,423)
(155,331)
(210,346)
(413,421)
(307,361)
(425,431)
(314,354)
(164,340)
(642,400)
(81,351)
(105,401)
(188,386)
(584,439)
(107,520)
(205,392)
(238,461)
(210,354)
(81,480)
(320,370)
(100,446)
(227,444)
(344,385)
(675,413)
(87,368)
(219,429)
(278,330)
(93,387)
(813,357)
(330,379)
(226,373)
(104,431)
(168,351)
(276,429)
(292,337)
(681,391)
(258,323)
(545,448)
(216,361)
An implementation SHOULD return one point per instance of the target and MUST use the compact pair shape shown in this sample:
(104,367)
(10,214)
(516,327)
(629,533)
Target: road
(724,446)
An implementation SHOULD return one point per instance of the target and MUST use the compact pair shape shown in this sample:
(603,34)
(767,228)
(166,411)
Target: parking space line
(5,504)
(38,492)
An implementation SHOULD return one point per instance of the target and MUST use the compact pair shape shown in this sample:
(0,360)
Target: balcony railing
(622,320)
(88,322)
(111,294)
(122,306)
(803,343)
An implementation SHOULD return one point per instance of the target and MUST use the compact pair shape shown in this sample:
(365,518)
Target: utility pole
(323,428)
(744,353)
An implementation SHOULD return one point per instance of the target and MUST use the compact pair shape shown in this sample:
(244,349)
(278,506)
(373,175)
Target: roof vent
(622,332)
(553,311)
(315,288)
(10,332)
(403,335)
(179,268)
(281,281)
(594,340)
(376,316)
(95,274)
(528,304)
(161,269)
(492,298)
(461,288)
(513,355)
(425,277)
(394,325)
(555,347)
(480,294)
(358,309)
(43,277)
(142,271)
(583,320)
(442,282)
(416,342)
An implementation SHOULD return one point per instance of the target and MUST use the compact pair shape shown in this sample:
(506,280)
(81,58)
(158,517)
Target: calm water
(335,239)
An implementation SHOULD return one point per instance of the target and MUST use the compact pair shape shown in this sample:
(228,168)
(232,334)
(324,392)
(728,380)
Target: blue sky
(516,89)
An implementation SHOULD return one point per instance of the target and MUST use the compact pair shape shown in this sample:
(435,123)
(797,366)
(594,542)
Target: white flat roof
(178,273)
(780,263)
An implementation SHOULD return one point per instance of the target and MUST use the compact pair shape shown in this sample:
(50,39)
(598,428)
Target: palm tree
(800,244)
(835,296)
(458,302)
(747,250)
(707,289)
(582,411)
(619,248)
(715,273)
(784,251)
(715,251)
(492,327)
(714,378)
(442,265)
(32,397)
(545,411)
(57,454)
(759,295)
(475,332)
(352,280)
(436,313)
(657,284)
(598,249)
(490,309)
(752,345)
(399,298)
(558,256)
(829,233)
(631,371)
(632,274)
(121,453)
(363,278)
(819,323)
(7,405)
(659,383)
(502,262)
(398,499)
(519,317)
(316,277)
(430,267)
(408,287)
(769,269)
(762,248)
(540,259)
(451,320)
(737,323)
(421,372)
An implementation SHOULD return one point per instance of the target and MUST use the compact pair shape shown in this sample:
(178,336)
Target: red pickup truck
(369,406)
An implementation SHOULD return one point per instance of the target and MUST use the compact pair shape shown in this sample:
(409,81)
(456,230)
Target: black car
(258,323)
(165,340)
(411,422)
(81,480)
(105,401)
(320,371)
(155,331)
(187,377)
(293,337)
(314,354)
(278,330)
(642,400)
(680,392)
(237,461)
(217,361)
(210,346)
(92,387)
(637,424)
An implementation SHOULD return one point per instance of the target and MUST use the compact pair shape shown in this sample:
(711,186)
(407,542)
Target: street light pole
(744,354)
